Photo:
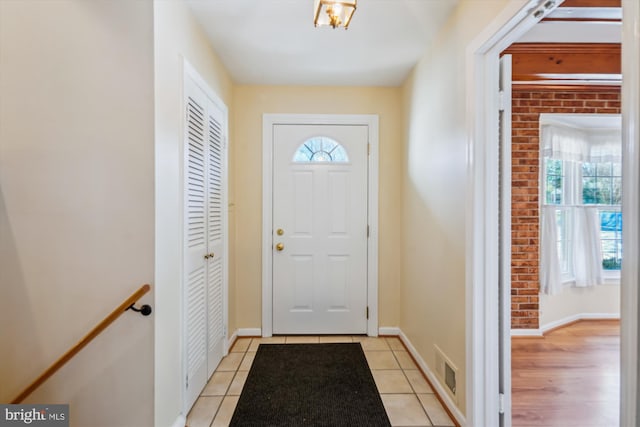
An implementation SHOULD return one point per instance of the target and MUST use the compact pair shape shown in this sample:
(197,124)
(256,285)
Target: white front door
(320,229)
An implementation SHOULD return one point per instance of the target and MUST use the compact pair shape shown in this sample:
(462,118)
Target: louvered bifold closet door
(195,233)
(215,236)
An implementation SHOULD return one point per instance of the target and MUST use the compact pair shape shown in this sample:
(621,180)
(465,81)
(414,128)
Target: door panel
(302,282)
(195,244)
(338,282)
(215,238)
(204,239)
(320,275)
(338,206)
(302,203)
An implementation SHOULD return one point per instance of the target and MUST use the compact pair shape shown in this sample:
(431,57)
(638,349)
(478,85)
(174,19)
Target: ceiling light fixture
(333,13)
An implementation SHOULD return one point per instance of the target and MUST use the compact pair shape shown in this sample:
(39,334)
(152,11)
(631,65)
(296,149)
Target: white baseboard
(561,322)
(526,332)
(451,406)
(248,332)
(232,339)
(181,421)
(600,316)
(389,330)
(575,317)
(243,332)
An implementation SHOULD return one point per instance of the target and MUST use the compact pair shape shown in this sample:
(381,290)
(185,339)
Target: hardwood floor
(568,378)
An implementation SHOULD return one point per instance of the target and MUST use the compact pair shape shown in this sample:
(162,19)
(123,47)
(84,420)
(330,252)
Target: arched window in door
(320,149)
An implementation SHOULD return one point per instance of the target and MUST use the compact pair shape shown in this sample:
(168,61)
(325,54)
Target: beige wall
(177,37)
(434,168)
(250,103)
(78,189)
(76,203)
(572,301)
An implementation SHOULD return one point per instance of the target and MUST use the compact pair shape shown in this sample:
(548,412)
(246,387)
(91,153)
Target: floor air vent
(447,372)
(450,377)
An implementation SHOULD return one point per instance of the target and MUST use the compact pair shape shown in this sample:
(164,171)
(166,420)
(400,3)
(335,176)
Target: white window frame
(571,196)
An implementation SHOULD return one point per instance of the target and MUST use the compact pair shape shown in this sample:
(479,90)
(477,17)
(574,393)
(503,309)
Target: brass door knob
(280,246)
(279,231)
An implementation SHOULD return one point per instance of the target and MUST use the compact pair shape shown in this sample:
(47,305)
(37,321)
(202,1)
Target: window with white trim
(568,185)
(581,169)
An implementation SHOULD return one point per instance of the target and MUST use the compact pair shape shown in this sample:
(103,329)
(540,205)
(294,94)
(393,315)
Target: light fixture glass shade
(333,13)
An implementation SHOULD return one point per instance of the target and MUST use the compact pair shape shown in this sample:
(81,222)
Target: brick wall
(525,188)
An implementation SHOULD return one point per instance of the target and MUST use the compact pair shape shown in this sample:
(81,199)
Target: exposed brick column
(525,187)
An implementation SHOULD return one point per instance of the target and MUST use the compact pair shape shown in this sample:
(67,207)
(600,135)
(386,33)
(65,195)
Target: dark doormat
(310,385)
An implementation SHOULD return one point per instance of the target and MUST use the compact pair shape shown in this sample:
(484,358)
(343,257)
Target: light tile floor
(407,397)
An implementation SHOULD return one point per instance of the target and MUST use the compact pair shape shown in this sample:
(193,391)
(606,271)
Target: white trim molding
(268,122)
(575,317)
(232,339)
(630,273)
(242,332)
(483,331)
(562,322)
(526,332)
(451,406)
(391,331)
(442,393)
(249,332)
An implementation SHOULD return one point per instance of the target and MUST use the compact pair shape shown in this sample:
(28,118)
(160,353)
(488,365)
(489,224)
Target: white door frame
(482,270)
(482,206)
(504,291)
(268,122)
(630,279)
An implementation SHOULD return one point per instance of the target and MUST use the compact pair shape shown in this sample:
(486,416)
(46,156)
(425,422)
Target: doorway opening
(483,344)
(566,211)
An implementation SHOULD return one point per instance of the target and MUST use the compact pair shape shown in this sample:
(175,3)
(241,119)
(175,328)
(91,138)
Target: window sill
(608,280)
(612,277)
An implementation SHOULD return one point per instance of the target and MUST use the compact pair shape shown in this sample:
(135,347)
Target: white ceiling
(274,42)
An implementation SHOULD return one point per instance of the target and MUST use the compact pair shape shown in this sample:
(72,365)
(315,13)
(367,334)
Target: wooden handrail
(82,343)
